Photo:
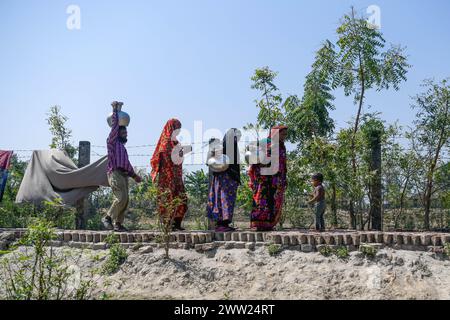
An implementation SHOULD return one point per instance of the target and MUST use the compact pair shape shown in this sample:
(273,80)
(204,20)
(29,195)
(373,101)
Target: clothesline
(152,145)
(145,155)
(191,153)
(184,164)
(149,155)
(98,146)
(203,143)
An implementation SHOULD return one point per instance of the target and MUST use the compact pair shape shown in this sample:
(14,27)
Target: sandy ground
(244,274)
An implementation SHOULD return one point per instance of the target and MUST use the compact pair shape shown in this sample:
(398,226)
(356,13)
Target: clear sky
(186,59)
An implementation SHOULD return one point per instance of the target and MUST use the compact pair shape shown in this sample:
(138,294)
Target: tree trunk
(351,210)
(353,144)
(402,203)
(427,202)
(361,214)
(334,205)
(375,186)
(430,179)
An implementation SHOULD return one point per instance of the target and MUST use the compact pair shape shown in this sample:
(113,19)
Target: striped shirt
(117,153)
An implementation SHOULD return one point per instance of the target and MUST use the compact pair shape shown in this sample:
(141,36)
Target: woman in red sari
(268,190)
(168,175)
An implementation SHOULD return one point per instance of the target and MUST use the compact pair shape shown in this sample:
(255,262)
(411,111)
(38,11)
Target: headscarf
(282,151)
(232,138)
(165,144)
(277,129)
(274,131)
(254,171)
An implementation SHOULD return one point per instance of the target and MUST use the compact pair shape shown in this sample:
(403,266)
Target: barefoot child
(318,200)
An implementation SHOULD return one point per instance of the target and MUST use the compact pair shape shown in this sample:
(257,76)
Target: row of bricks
(174,245)
(358,238)
(131,237)
(291,238)
(136,237)
(205,247)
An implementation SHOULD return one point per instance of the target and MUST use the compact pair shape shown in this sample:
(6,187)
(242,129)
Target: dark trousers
(319,209)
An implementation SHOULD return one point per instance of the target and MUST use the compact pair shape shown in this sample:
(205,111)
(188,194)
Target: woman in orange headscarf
(167,173)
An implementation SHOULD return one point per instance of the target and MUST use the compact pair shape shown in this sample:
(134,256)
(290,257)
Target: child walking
(318,200)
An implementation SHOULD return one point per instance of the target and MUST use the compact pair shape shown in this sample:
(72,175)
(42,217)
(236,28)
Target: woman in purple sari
(223,185)
(268,190)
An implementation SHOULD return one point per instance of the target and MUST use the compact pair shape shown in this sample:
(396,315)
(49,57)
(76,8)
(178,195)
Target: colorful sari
(222,198)
(223,186)
(5,160)
(166,174)
(268,190)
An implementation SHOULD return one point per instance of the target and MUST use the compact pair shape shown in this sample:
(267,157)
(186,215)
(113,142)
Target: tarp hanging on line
(51,174)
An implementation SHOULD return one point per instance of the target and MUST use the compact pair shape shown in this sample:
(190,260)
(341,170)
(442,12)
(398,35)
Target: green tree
(310,126)
(373,131)
(15,178)
(255,128)
(270,105)
(358,63)
(139,194)
(310,117)
(196,183)
(442,194)
(61,134)
(317,154)
(244,197)
(399,167)
(432,133)
(353,185)
(169,205)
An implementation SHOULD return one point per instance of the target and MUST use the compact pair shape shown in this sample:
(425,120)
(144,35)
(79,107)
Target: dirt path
(244,274)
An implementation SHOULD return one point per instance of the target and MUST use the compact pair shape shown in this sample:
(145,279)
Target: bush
(40,273)
(447,249)
(368,251)
(342,252)
(274,249)
(326,251)
(21,215)
(14,215)
(117,255)
(166,217)
(201,223)
(94,222)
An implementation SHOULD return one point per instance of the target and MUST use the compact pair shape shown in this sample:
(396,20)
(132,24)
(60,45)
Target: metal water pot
(253,153)
(124,118)
(219,164)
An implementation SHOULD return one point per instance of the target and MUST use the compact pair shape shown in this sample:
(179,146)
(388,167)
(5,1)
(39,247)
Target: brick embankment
(306,241)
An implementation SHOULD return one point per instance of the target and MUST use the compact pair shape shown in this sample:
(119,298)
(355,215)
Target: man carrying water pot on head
(119,168)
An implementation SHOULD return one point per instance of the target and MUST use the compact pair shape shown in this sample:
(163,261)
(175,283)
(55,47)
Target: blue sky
(187,59)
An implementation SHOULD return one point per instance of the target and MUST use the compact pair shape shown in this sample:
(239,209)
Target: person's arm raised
(114,134)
